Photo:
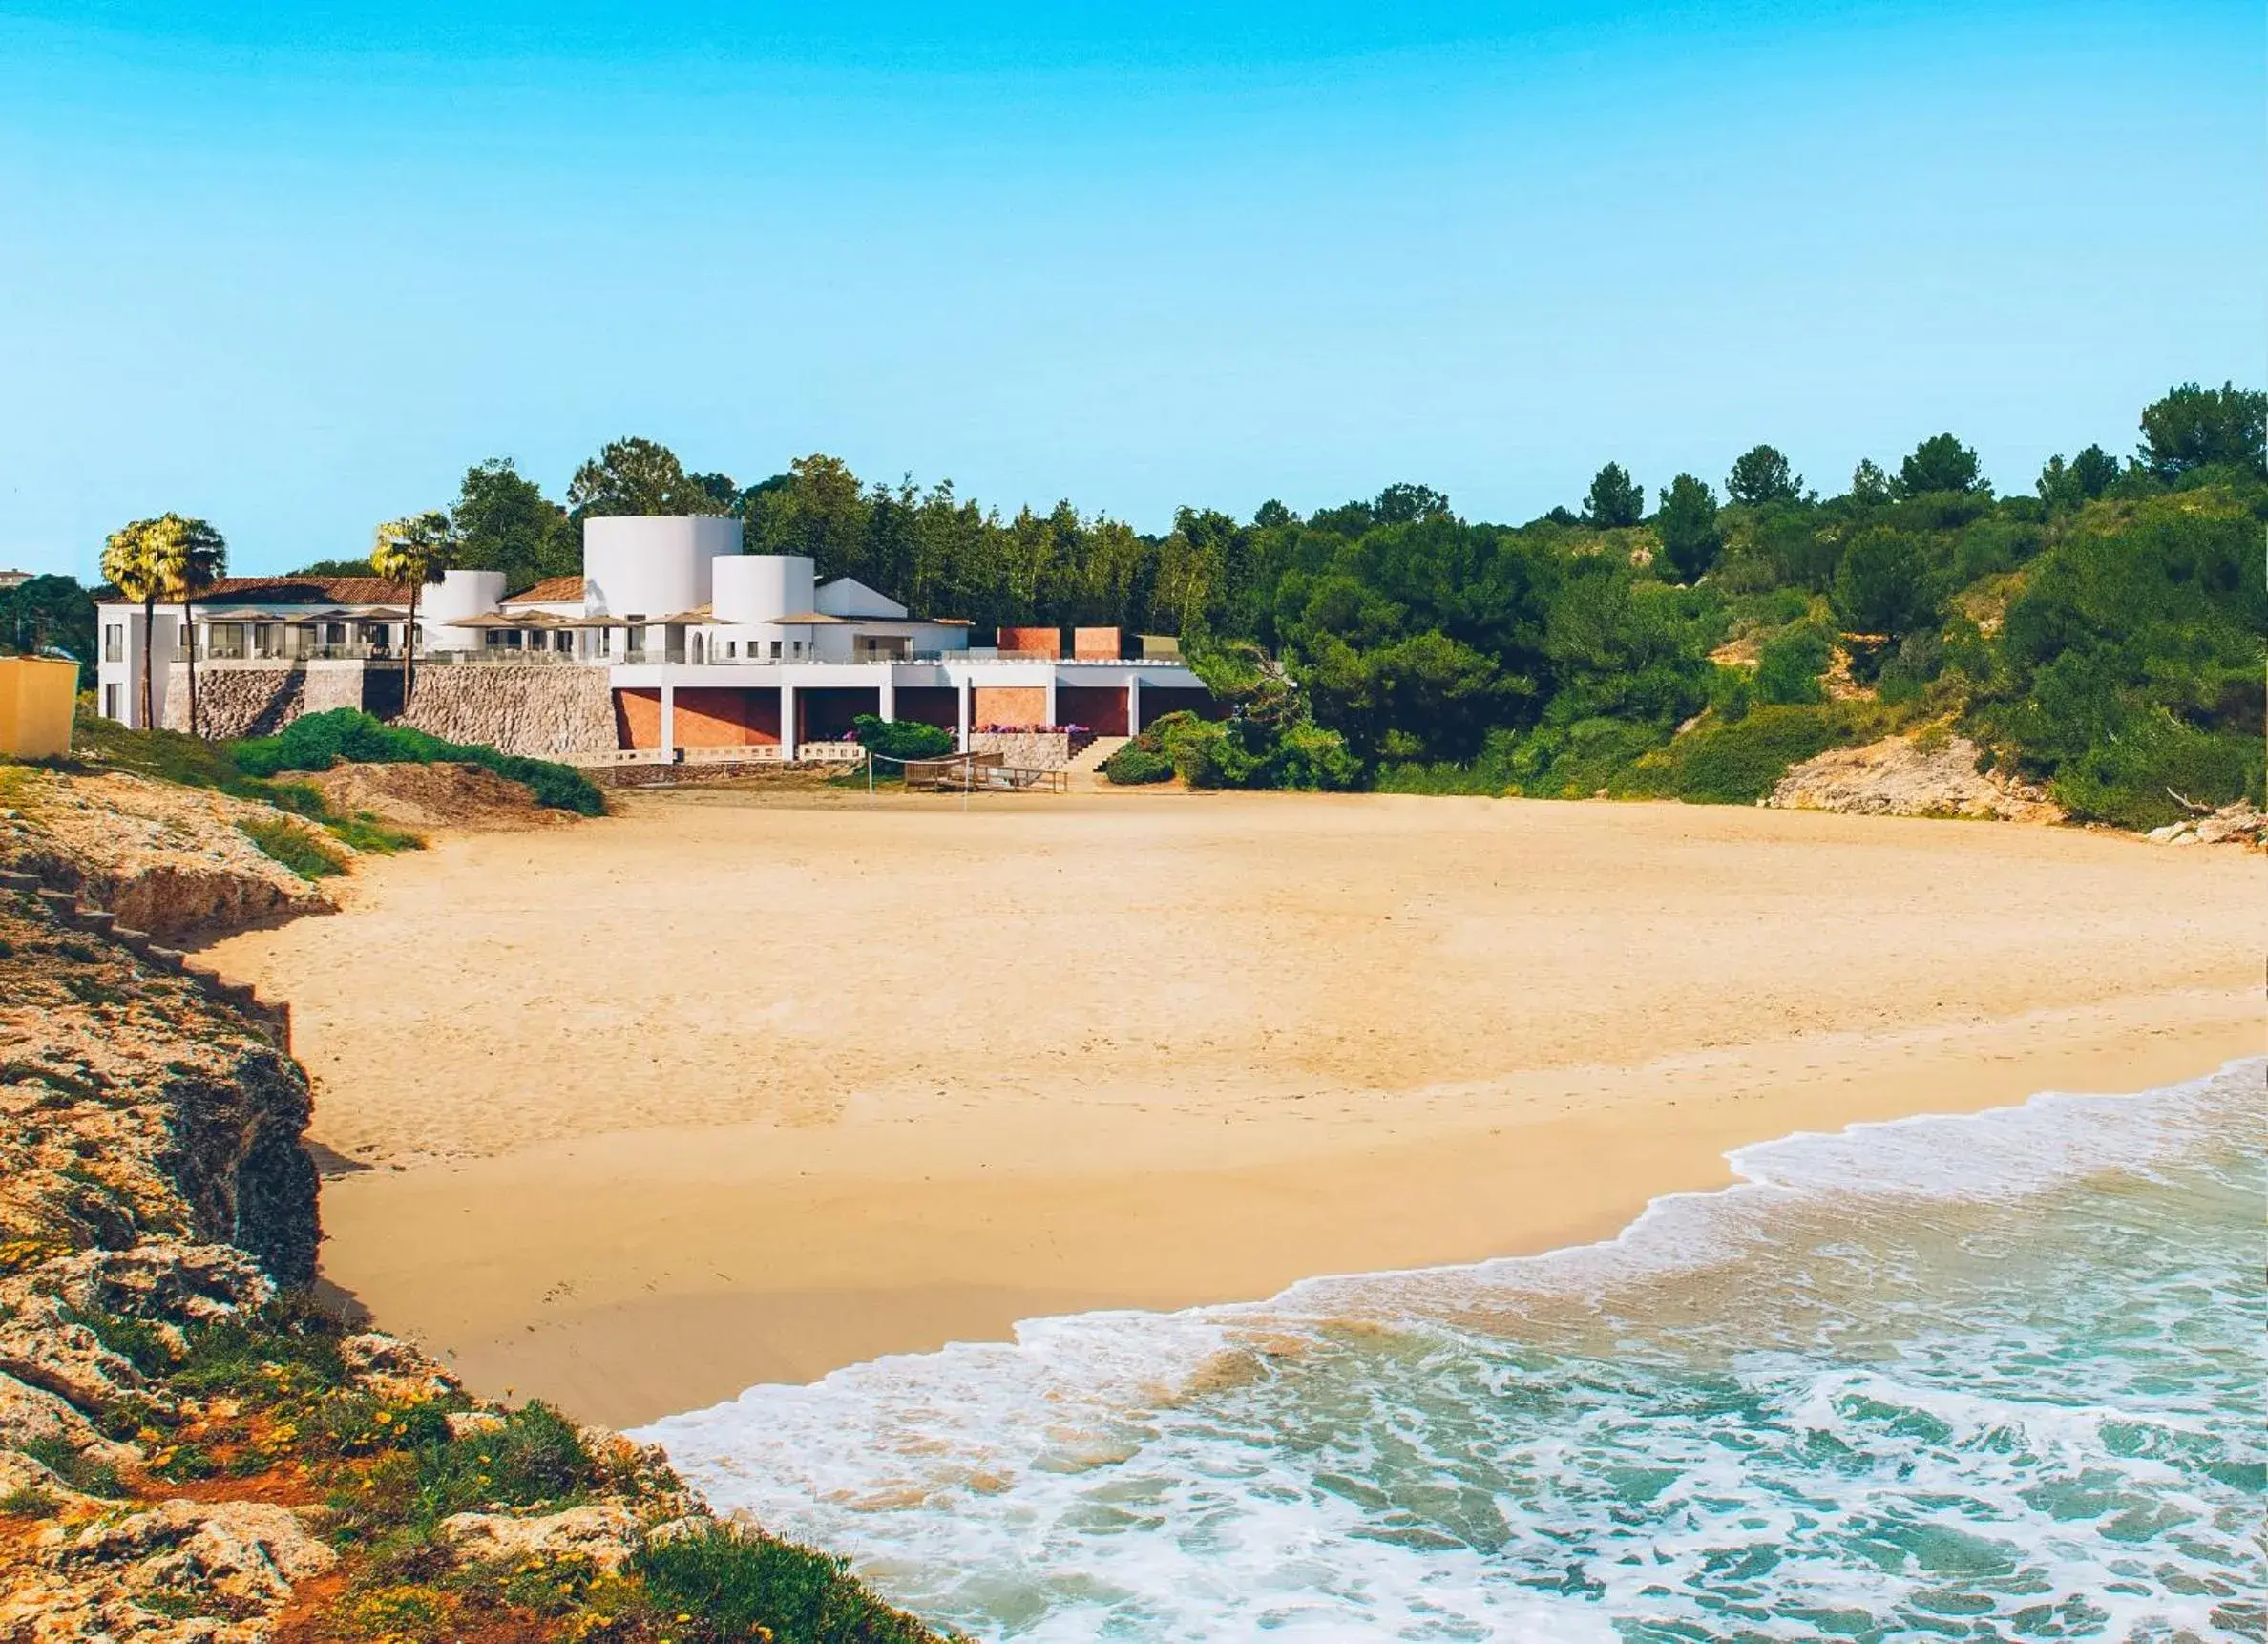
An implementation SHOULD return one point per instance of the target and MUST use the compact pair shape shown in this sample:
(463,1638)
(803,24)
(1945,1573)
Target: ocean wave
(1891,1368)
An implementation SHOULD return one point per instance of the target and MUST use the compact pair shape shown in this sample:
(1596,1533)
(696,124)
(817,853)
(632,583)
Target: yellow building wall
(36,694)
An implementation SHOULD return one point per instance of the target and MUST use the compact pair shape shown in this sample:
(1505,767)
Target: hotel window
(775,656)
(114,644)
(110,702)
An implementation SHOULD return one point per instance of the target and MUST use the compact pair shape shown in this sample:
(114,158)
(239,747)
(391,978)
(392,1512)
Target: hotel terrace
(673,645)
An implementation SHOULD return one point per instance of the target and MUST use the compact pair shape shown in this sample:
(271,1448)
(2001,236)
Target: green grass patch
(536,1456)
(368,832)
(137,1340)
(289,1348)
(733,1588)
(293,846)
(185,1463)
(30,1502)
(82,1473)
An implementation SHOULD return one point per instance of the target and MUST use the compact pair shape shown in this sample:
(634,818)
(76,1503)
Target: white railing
(498,656)
(750,753)
(611,756)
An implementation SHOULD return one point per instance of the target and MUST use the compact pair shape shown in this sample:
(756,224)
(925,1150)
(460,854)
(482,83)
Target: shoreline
(636,1270)
(635,1357)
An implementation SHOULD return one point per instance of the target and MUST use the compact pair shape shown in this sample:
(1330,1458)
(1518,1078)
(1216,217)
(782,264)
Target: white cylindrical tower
(458,594)
(654,565)
(763,587)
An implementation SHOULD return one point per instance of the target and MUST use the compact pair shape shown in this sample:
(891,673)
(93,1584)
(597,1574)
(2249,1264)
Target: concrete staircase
(1086,764)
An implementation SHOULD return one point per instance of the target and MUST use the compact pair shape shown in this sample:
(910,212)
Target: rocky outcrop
(541,709)
(191,1450)
(238,1560)
(1926,774)
(606,1533)
(140,1116)
(164,859)
(2237,824)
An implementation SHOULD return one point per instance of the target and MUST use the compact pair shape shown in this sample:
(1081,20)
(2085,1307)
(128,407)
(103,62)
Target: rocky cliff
(1918,776)
(194,1448)
(164,859)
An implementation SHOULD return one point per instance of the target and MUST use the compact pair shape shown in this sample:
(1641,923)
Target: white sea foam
(1230,1471)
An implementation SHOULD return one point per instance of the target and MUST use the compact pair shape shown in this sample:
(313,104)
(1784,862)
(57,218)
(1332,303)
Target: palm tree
(130,566)
(192,557)
(415,551)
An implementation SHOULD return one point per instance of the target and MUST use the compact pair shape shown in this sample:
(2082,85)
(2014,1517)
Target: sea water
(1985,1378)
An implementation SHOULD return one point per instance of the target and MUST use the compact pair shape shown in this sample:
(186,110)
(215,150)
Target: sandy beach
(729,1088)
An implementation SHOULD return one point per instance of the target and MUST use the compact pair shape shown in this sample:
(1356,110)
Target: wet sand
(729,1089)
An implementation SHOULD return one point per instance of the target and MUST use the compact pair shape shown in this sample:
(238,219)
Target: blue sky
(293,266)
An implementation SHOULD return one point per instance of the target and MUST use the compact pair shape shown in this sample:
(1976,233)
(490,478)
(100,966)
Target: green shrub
(1575,761)
(535,1455)
(1739,763)
(318,741)
(1197,751)
(1133,766)
(1488,775)
(735,1588)
(1789,664)
(2131,782)
(902,738)
(293,846)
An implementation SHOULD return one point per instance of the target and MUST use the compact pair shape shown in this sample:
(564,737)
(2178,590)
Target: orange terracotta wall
(1007,705)
(638,719)
(1095,644)
(705,718)
(1032,641)
(713,718)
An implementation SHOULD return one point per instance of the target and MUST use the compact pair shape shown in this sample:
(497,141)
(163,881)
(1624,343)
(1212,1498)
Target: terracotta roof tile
(307,591)
(551,591)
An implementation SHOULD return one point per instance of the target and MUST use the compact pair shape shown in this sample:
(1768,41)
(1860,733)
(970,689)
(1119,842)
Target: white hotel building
(671,644)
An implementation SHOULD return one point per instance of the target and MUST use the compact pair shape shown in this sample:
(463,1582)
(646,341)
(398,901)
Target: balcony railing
(502,655)
(348,653)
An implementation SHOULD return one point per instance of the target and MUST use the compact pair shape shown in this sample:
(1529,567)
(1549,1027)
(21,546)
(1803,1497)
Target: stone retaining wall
(1029,750)
(236,702)
(542,710)
(259,701)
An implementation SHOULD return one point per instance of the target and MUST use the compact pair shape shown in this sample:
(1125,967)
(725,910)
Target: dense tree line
(48,614)
(2102,632)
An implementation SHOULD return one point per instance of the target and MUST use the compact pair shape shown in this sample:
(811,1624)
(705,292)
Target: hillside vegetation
(2099,634)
